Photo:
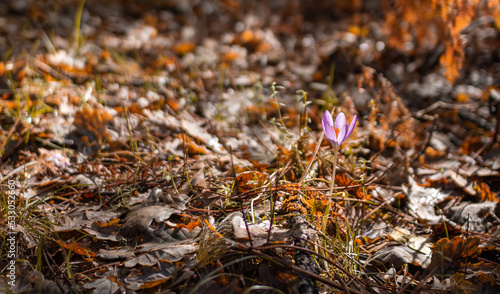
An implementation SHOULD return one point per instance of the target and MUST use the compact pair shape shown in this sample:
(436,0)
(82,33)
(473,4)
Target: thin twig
(386,144)
(244,248)
(318,144)
(237,192)
(274,197)
(428,143)
(46,256)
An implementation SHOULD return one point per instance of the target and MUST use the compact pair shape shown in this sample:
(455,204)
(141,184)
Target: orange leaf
(77,248)
(452,62)
(448,252)
(462,97)
(154,283)
(192,147)
(250,180)
(471,144)
(93,123)
(342,180)
(248,36)
(230,56)
(286,277)
(174,104)
(485,193)
(134,108)
(112,223)
(190,225)
(184,47)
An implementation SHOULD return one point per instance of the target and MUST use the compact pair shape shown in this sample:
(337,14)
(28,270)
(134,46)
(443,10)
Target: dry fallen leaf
(421,202)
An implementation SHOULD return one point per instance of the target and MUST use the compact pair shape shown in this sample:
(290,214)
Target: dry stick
(374,210)
(49,70)
(262,142)
(186,149)
(347,273)
(250,250)
(428,143)
(252,192)
(13,128)
(422,283)
(104,266)
(344,286)
(237,192)
(19,169)
(312,159)
(46,256)
(406,285)
(497,129)
(310,252)
(488,146)
(387,144)
(405,282)
(275,194)
(15,147)
(270,136)
(373,179)
(273,200)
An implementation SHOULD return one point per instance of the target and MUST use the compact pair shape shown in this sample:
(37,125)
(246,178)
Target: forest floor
(177,147)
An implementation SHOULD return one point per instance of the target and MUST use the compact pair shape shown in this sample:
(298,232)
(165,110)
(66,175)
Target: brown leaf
(448,253)
(139,220)
(92,124)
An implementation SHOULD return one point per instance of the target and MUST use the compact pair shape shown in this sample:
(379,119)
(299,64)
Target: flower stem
(332,184)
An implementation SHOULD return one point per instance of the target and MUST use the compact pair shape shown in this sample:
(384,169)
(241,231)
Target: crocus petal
(333,139)
(342,134)
(351,126)
(340,120)
(327,123)
(334,142)
(330,135)
(328,117)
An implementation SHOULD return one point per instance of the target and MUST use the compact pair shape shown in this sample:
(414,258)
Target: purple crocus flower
(341,131)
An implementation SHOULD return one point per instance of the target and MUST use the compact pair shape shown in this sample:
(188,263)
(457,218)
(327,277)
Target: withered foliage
(174,146)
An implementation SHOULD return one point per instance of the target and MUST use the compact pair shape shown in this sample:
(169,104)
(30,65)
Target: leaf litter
(172,148)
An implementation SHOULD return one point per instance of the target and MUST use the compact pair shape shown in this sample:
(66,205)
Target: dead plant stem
(304,174)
